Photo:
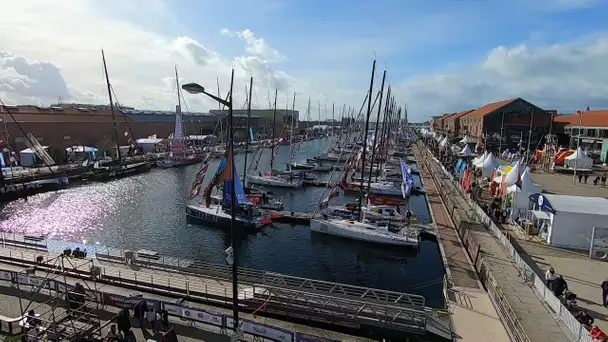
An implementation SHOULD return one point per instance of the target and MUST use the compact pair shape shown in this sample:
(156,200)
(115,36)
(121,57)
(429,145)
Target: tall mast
(369,110)
(333,105)
(114,128)
(247,133)
(178,114)
(274,123)
(293,111)
(371,166)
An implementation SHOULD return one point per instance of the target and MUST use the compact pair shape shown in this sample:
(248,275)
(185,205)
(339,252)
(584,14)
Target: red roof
(590,118)
(489,108)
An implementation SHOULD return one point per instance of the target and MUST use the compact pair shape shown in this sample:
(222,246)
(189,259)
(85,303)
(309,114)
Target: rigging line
(117,103)
(25,135)
(353,152)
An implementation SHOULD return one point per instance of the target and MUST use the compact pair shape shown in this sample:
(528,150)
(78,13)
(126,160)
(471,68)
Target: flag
(221,174)
(198,182)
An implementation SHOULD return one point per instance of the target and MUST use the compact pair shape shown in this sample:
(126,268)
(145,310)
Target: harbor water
(147,211)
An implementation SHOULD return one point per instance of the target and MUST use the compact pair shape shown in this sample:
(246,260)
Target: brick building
(62,127)
(508,119)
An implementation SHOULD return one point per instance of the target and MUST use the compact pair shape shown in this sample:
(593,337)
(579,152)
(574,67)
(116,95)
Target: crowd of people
(148,315)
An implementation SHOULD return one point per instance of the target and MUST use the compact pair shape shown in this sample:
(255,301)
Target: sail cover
(241,197)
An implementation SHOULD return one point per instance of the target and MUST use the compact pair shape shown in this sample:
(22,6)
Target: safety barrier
(193,314)
(579,332)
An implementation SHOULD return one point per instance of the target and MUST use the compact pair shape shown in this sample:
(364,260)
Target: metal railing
(562,314)
(319,305)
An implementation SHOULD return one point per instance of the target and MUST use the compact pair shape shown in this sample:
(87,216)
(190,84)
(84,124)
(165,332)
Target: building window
(575,131)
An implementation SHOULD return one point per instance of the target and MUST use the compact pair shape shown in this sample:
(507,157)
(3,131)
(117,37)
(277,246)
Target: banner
(262,330)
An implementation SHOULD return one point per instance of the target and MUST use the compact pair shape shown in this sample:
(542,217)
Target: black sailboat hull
(216,220)
(120,172)
(14,191)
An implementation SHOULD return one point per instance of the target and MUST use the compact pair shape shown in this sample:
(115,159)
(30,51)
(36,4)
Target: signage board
(203,316)
(262,330)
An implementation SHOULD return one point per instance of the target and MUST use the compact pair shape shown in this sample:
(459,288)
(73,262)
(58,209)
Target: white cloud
(52,49)
(255,46)
(563,77)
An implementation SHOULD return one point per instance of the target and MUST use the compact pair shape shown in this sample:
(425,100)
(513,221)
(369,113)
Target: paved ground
(474,316)
(459,264)
(558,183)
(583,275)
(536,320)
(188,331)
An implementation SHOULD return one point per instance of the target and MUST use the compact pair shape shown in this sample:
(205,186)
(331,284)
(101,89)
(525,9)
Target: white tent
(480,158)
(445,142)
(29,157)
(438,137)
(468,140)
(466,151)
(488,165)
(511,177)
(521,194)
(579,160)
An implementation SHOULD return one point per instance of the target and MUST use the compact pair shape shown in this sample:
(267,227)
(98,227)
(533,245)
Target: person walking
(605,293)
(151,318)
(586,177)
(603,180)
(550,277)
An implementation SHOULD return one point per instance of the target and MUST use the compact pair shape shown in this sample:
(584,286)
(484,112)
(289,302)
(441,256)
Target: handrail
(563,314)
(340,308)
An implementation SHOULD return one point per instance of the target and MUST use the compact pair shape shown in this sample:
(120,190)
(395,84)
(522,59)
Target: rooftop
(578,204)
(489,108)
(589,118)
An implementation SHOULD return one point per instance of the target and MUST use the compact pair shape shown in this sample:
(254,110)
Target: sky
(441,56)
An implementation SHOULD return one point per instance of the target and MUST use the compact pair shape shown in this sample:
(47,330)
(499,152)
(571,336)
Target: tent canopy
(466,150)
(468,140)
(579,160)
(488,166)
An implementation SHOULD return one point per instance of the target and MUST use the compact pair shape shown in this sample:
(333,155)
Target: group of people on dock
(147,314)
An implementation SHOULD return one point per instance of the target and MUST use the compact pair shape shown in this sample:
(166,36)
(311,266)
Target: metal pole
(530,135)
(502,124)
(371,167)
(247,133)
(369,110)
(235,291)
(578,144)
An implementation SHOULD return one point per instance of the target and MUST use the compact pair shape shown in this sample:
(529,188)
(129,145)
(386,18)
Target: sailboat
(179,155)
(120,169)
(247,214)
(226,178)
(361,230)
(274,178)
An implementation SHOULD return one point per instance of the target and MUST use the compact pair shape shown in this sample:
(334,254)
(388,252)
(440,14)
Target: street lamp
(195,88)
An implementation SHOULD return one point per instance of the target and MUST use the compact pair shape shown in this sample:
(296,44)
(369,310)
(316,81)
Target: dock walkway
(474,318)
(277,295)
(523,313)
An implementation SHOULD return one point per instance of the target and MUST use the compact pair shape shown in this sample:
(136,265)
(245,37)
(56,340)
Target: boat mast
(293,110)
(114,128)
(178,114)
(371,166)
(369,110)
(333,105)
(247,133)
(385,127)
(274,122)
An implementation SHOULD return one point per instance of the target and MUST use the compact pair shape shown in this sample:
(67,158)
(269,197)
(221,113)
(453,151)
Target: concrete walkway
(535,319)
(474,318)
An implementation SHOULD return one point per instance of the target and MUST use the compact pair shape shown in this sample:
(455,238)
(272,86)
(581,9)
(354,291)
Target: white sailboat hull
(274,181)
(361,231)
